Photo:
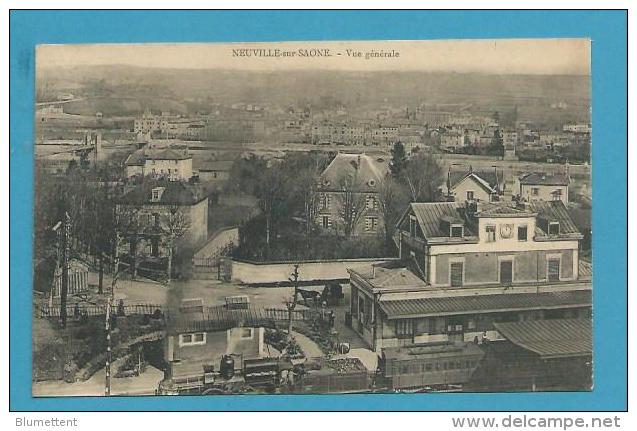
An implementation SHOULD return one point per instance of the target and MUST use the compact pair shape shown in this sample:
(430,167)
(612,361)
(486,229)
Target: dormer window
(554,228)
(456,231)
(157,192)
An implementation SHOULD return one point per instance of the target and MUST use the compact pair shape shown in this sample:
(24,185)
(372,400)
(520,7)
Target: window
(522,233)
(413,226)
(192,339)
(456,274)
(490,230)
(325,222)
(404,328)
(470,195)
(535,191)
(245,333)
(554,228)
(371,224)
(457,231)
(371,202)
(506,272)
(553,269)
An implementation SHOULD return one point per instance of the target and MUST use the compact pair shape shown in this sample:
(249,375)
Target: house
(474,186)
(168,163)
(153,206)
(188,349)
(349,190)
(468,266)
(538,186)
(216,171)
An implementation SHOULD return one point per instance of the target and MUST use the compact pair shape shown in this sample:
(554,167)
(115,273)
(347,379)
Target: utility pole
(65,267)
(107,389)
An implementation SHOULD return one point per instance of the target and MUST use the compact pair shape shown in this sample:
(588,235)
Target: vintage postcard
(312,218)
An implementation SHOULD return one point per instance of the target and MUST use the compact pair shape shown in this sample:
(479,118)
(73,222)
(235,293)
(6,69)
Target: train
(438,367)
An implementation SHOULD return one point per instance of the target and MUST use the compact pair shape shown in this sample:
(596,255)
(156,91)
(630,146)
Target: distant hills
(322,89)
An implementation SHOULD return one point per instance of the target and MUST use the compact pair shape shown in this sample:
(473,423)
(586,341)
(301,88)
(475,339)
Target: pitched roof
(444,306)
(550,338)
(175,193)
(540,178)
(430,214)
(555,211)
(393,277)
(367,171)
(489,179)
(139,157)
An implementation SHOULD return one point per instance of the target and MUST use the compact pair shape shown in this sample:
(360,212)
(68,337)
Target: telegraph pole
(107,389)
(65,267)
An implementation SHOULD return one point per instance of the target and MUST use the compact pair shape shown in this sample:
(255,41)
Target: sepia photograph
(325,217)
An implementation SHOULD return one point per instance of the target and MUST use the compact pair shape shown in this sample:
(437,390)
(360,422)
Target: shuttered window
(506,272)
(554,269)
(456,270)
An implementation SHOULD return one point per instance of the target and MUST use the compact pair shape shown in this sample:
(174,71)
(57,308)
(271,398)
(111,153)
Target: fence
(220,318)
(91,310)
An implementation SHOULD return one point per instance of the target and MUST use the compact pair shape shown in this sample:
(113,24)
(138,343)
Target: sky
(501,56)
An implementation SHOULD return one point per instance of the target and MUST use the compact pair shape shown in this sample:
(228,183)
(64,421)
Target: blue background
(608,31)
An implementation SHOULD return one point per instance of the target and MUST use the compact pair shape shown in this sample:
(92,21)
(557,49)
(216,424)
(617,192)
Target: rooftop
(432,351)
(440,306)
(550,338)
(363,170)
(540,178)
(139,157)
(174,193)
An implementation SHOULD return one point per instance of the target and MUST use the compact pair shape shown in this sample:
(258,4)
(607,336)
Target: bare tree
(393,199)
(352,204)
(270,192)
(290,303)
(175,226)
(422,175)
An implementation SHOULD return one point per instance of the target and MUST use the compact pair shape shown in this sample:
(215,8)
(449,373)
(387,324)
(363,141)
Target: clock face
(506,230)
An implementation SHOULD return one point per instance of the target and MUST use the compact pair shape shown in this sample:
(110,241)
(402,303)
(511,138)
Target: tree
(263,180)
(290,303)
(352,204)
(175,226)
(393,198)
(497,144)
(398,159)
(270,192)
(423,176)
(303,172)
